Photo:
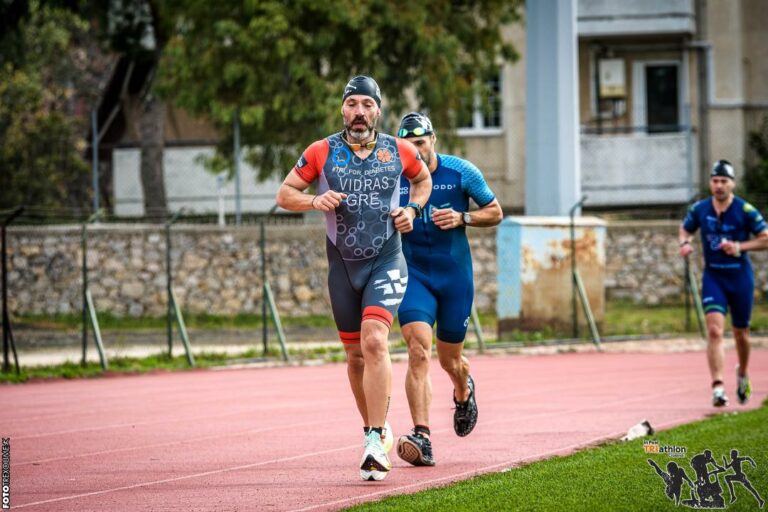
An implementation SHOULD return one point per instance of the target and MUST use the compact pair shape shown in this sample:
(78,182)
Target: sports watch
(417,208)
(466,218)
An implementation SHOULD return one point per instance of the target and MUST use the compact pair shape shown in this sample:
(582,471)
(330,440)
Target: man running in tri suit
(726,222)
(440,287)
(358,175)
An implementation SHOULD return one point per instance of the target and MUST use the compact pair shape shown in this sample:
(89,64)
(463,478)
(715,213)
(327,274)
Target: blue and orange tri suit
(440,286)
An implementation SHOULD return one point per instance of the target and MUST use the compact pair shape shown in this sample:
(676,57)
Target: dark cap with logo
(363,85)
(723,168)
(414,124)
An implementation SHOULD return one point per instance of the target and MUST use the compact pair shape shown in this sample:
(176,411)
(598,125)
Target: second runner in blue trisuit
(440,287)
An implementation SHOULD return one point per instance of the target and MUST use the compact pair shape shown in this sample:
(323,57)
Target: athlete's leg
(416,316)
(456,365)
(355,372)
(418,385)
(454,308)
(715,302)
(382,294)
(741,337)
(740,298)
(346,306)
(715,345)
(377,375)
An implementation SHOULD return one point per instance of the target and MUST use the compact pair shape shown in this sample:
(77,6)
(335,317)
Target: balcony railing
(635,168)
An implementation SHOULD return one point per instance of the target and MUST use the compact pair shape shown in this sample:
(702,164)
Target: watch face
(466,217)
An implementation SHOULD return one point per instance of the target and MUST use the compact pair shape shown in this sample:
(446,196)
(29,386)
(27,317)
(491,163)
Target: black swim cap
(364,85)
(415,124)
(723,168)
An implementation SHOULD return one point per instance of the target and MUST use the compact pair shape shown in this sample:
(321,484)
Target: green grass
(615,476)
(127,365)
(621,317)
(626,318)
(193,321)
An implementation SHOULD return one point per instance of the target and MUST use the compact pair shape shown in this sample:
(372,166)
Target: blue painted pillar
(534,278)
(552,157)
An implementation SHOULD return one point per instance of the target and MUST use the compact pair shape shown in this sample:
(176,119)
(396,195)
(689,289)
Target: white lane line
(204,417)
(296,457)
(461,476)
(172,443)
(188,477)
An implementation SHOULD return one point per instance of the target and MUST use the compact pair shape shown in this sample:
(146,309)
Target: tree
(46,78)
(755,183)
(284,64)
(135,29)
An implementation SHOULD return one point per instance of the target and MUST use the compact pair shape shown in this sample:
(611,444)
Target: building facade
(665,88)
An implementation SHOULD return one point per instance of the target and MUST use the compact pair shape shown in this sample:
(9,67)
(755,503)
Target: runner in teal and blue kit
(727,223)
(440,287)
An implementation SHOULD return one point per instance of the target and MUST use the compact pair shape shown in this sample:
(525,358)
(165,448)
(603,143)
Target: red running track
(290,438)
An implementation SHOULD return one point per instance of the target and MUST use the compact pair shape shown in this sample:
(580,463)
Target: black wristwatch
(466,218)
(416,207)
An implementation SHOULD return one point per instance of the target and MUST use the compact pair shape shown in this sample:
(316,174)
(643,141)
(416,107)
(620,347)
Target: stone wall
(643,265)
(217,270)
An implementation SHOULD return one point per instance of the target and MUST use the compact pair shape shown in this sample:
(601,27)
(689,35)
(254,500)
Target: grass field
(620,318)
(615,476)
(127,365)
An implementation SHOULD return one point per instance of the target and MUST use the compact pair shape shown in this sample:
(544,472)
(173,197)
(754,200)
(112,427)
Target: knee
(355,361)
(715,334)
(450,364)
(418,356)
(375,348)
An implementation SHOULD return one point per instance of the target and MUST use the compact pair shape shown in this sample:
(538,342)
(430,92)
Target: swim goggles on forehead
(413,132)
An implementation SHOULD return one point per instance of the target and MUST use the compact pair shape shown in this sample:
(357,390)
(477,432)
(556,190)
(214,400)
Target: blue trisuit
(728,281)
(440,287)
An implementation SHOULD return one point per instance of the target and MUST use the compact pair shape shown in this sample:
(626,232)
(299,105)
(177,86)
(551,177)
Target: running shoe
(415,449)
(465,415)
(744,389)
(718,397)
(387,437)
(374,465)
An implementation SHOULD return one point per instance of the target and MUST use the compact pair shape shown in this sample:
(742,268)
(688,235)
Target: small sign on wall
(612,82)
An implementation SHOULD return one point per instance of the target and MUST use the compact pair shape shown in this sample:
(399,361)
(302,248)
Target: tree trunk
(152,131)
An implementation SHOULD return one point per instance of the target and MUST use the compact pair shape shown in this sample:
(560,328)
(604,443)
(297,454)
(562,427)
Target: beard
(357,133)
(427,159)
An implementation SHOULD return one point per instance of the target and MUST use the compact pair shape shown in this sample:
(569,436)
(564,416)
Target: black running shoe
(465,415)
(416,450)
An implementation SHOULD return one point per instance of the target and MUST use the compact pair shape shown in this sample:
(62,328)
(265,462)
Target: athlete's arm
(421,187)
(485,217)
(734,248)
(291,196)
(684,239)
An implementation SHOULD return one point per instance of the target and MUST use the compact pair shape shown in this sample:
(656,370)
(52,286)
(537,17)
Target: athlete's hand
(446,218)
(686,249)
(731,248)
(328,200)
(403,219)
